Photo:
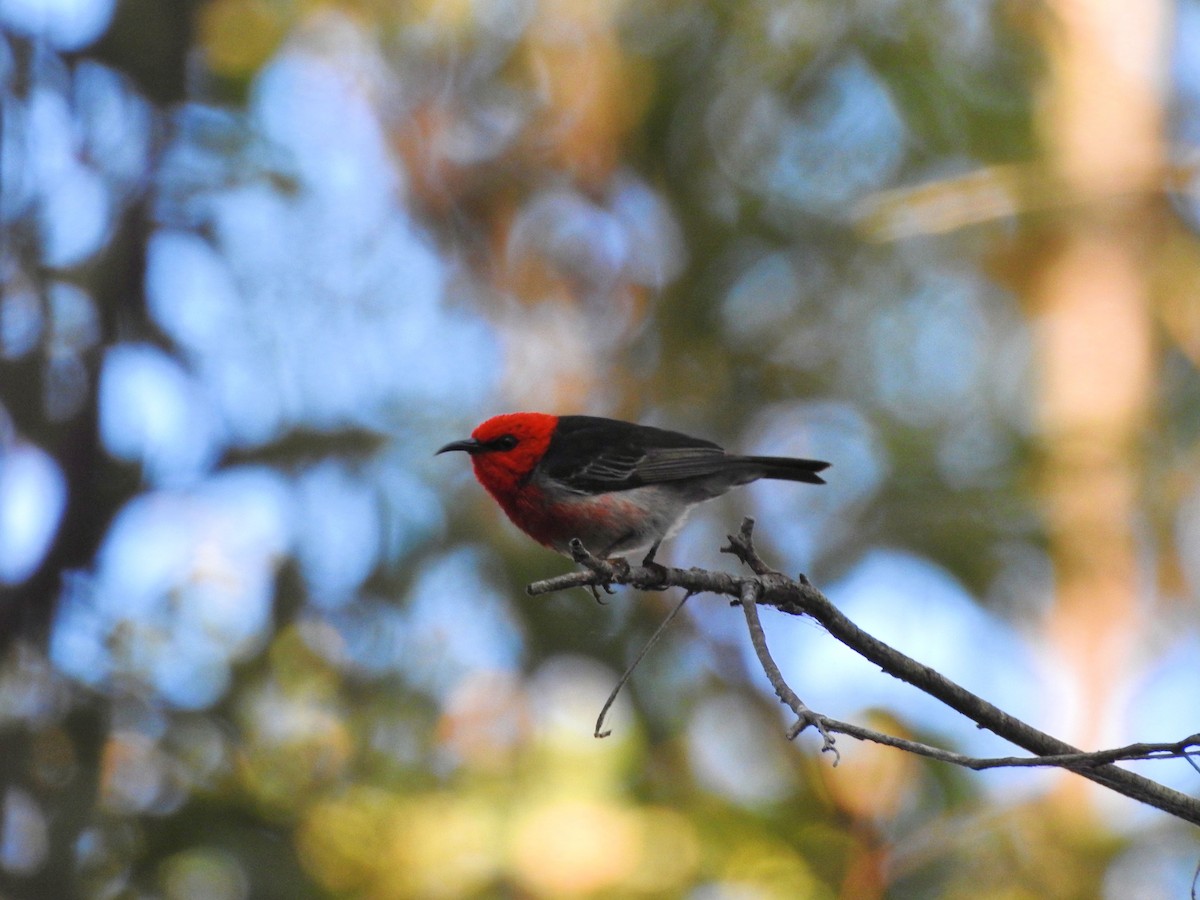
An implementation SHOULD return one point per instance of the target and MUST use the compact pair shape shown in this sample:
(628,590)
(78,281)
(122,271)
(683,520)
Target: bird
(620,488)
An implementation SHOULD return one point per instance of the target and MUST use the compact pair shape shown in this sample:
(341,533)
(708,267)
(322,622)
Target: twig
(800,597)
(804,716)
(625,676)
(1072,761)
(741,545)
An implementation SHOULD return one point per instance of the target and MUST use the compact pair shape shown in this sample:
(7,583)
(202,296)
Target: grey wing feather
(617,471)
(673,463)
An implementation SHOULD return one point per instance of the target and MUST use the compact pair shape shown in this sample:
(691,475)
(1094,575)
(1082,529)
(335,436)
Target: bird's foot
(659,570)
(619,567)
(603,569)
(595,589)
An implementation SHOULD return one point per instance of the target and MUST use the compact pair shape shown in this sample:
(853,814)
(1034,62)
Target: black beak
(470,445)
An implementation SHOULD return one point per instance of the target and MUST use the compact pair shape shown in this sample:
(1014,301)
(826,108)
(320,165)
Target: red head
(505,449)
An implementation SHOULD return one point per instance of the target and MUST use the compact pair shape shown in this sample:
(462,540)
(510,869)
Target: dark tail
(787,469)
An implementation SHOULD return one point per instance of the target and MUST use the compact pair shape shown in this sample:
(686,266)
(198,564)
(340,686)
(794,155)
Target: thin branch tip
(743,539)
(806,719)
(628,673)
(741,545)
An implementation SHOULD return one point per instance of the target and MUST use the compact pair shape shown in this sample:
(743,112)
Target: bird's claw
(620,566)
(620,569)
(596,592)
(659,570)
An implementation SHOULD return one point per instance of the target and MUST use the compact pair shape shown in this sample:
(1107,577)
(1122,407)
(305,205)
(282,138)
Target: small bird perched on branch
(619,487)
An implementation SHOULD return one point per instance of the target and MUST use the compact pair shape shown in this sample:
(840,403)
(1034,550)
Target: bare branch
(1185,749)
(800,598)
(804,716)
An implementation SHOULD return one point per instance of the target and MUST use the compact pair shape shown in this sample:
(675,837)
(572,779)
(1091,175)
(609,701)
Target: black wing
(588,453)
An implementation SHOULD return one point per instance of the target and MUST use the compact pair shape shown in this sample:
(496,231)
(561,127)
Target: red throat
(504,472)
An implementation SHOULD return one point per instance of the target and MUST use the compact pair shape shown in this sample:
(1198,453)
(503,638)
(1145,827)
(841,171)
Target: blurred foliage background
(259,258)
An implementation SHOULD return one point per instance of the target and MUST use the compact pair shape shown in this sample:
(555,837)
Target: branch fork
(798,596)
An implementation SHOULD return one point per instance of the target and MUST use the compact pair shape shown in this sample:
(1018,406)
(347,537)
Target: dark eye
(504,442)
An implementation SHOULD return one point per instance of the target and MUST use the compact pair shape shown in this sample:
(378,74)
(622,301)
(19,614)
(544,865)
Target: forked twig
(800,598)
(804,716)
